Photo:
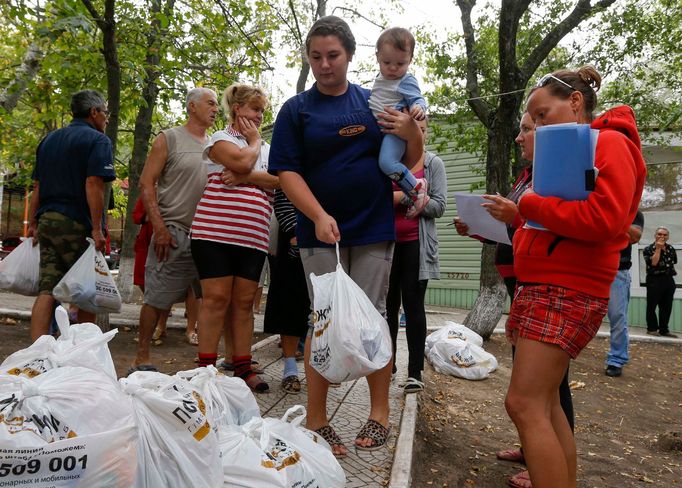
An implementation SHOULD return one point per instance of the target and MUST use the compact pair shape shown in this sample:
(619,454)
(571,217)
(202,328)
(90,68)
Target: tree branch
(25,73)
(93,11)
(510,14)
(230,20)
(358,14)
(582,10)
(480,107)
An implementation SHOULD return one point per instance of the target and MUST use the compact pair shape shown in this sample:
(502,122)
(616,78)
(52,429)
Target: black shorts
(218,260)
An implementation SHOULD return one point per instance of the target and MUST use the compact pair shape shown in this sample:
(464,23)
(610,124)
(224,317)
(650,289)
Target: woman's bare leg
(533,404)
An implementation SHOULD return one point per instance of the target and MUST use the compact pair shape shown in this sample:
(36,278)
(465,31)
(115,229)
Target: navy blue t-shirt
(333,142)
(64,159)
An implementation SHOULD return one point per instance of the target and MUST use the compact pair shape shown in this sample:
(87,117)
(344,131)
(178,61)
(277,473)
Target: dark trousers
(660,290)
(405,286)
(565,397)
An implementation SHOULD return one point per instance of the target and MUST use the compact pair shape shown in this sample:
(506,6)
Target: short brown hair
(330,25)
(399,38)
(241,94)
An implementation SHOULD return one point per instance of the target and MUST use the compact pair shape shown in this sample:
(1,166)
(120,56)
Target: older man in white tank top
(171,185)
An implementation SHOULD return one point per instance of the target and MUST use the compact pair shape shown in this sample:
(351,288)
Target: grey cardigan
(434,172)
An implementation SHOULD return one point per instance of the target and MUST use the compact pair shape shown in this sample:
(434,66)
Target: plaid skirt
(556,315)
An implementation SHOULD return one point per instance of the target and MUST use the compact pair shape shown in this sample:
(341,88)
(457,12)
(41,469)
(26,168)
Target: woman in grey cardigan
(415,261)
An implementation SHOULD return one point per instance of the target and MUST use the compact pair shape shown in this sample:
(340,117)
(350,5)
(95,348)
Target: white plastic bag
(452,330)
(20,270)
(463,359)
(89,285)
(70,427)
(350,337)
(177,444)
(78,345)
(275,453)
(229,400)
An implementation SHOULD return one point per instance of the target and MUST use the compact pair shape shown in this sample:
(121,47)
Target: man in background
(618,304)
(660,260)
(171,185)
(72,165)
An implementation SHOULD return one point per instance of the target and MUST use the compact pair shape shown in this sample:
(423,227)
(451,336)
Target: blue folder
(563,165)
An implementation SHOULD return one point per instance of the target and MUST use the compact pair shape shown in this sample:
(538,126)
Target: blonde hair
(241,94)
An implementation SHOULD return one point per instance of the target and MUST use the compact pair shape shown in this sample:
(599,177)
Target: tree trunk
(487,309)
(143,131)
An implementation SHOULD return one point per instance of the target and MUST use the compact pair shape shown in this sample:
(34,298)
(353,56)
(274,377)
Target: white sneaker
(419,199)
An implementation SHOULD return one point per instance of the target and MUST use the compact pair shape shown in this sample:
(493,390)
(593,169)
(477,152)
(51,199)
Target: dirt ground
(623,425)
(619,421)
(173,354)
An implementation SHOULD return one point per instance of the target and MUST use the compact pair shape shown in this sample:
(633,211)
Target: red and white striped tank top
(238,214)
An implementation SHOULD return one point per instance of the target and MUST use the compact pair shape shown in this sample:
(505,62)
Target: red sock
(242,367)
(206,359)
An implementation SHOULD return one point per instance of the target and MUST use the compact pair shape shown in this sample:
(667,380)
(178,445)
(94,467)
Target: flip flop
(158,334)
(511,455)
(413,385)
(141,367)
(193,339)
(520,480)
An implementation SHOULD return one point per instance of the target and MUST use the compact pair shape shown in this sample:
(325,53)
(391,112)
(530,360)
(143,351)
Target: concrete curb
(264,342)
(401,471)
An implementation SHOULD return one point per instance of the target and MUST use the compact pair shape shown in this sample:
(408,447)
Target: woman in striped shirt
(230,231)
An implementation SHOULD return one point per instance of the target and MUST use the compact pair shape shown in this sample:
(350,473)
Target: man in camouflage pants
(72,165)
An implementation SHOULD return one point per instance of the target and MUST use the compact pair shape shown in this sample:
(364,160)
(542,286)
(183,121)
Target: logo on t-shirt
(352,130)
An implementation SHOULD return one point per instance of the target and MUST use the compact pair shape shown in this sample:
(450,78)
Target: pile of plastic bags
(66,421)
(456,350)
(88,284)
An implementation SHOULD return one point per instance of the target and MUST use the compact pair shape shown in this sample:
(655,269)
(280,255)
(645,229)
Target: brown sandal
(511,455)
(328,433)
(291,384)
(376,432)
(520,480)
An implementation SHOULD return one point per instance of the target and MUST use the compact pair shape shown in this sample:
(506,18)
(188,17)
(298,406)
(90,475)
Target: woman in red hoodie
(565,272)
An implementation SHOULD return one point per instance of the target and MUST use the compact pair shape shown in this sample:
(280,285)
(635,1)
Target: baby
(395,87)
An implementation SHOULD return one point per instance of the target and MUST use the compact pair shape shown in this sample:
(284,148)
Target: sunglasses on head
(545,80)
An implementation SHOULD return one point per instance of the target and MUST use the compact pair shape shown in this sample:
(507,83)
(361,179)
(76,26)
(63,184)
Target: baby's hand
(416,112)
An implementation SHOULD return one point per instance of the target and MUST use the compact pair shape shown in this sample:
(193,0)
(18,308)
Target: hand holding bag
(350,337)
(89,285)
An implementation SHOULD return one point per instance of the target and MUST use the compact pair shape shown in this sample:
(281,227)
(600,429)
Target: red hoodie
(581,248)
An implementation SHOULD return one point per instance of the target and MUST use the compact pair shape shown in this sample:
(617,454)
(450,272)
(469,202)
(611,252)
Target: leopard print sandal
(376,432)
(328,433)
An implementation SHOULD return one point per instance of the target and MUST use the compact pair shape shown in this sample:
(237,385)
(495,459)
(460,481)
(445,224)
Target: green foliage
(635,45)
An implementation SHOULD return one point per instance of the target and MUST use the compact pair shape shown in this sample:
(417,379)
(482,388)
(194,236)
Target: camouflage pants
(62,241)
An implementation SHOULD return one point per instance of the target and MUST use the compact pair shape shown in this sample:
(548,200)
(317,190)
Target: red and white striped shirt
(237,214)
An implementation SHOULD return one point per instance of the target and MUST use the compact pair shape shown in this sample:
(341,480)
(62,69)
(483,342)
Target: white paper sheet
(478,219)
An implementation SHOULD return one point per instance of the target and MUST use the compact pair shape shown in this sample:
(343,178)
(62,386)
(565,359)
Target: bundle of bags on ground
(66,421)
(456,350)
(88,284)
